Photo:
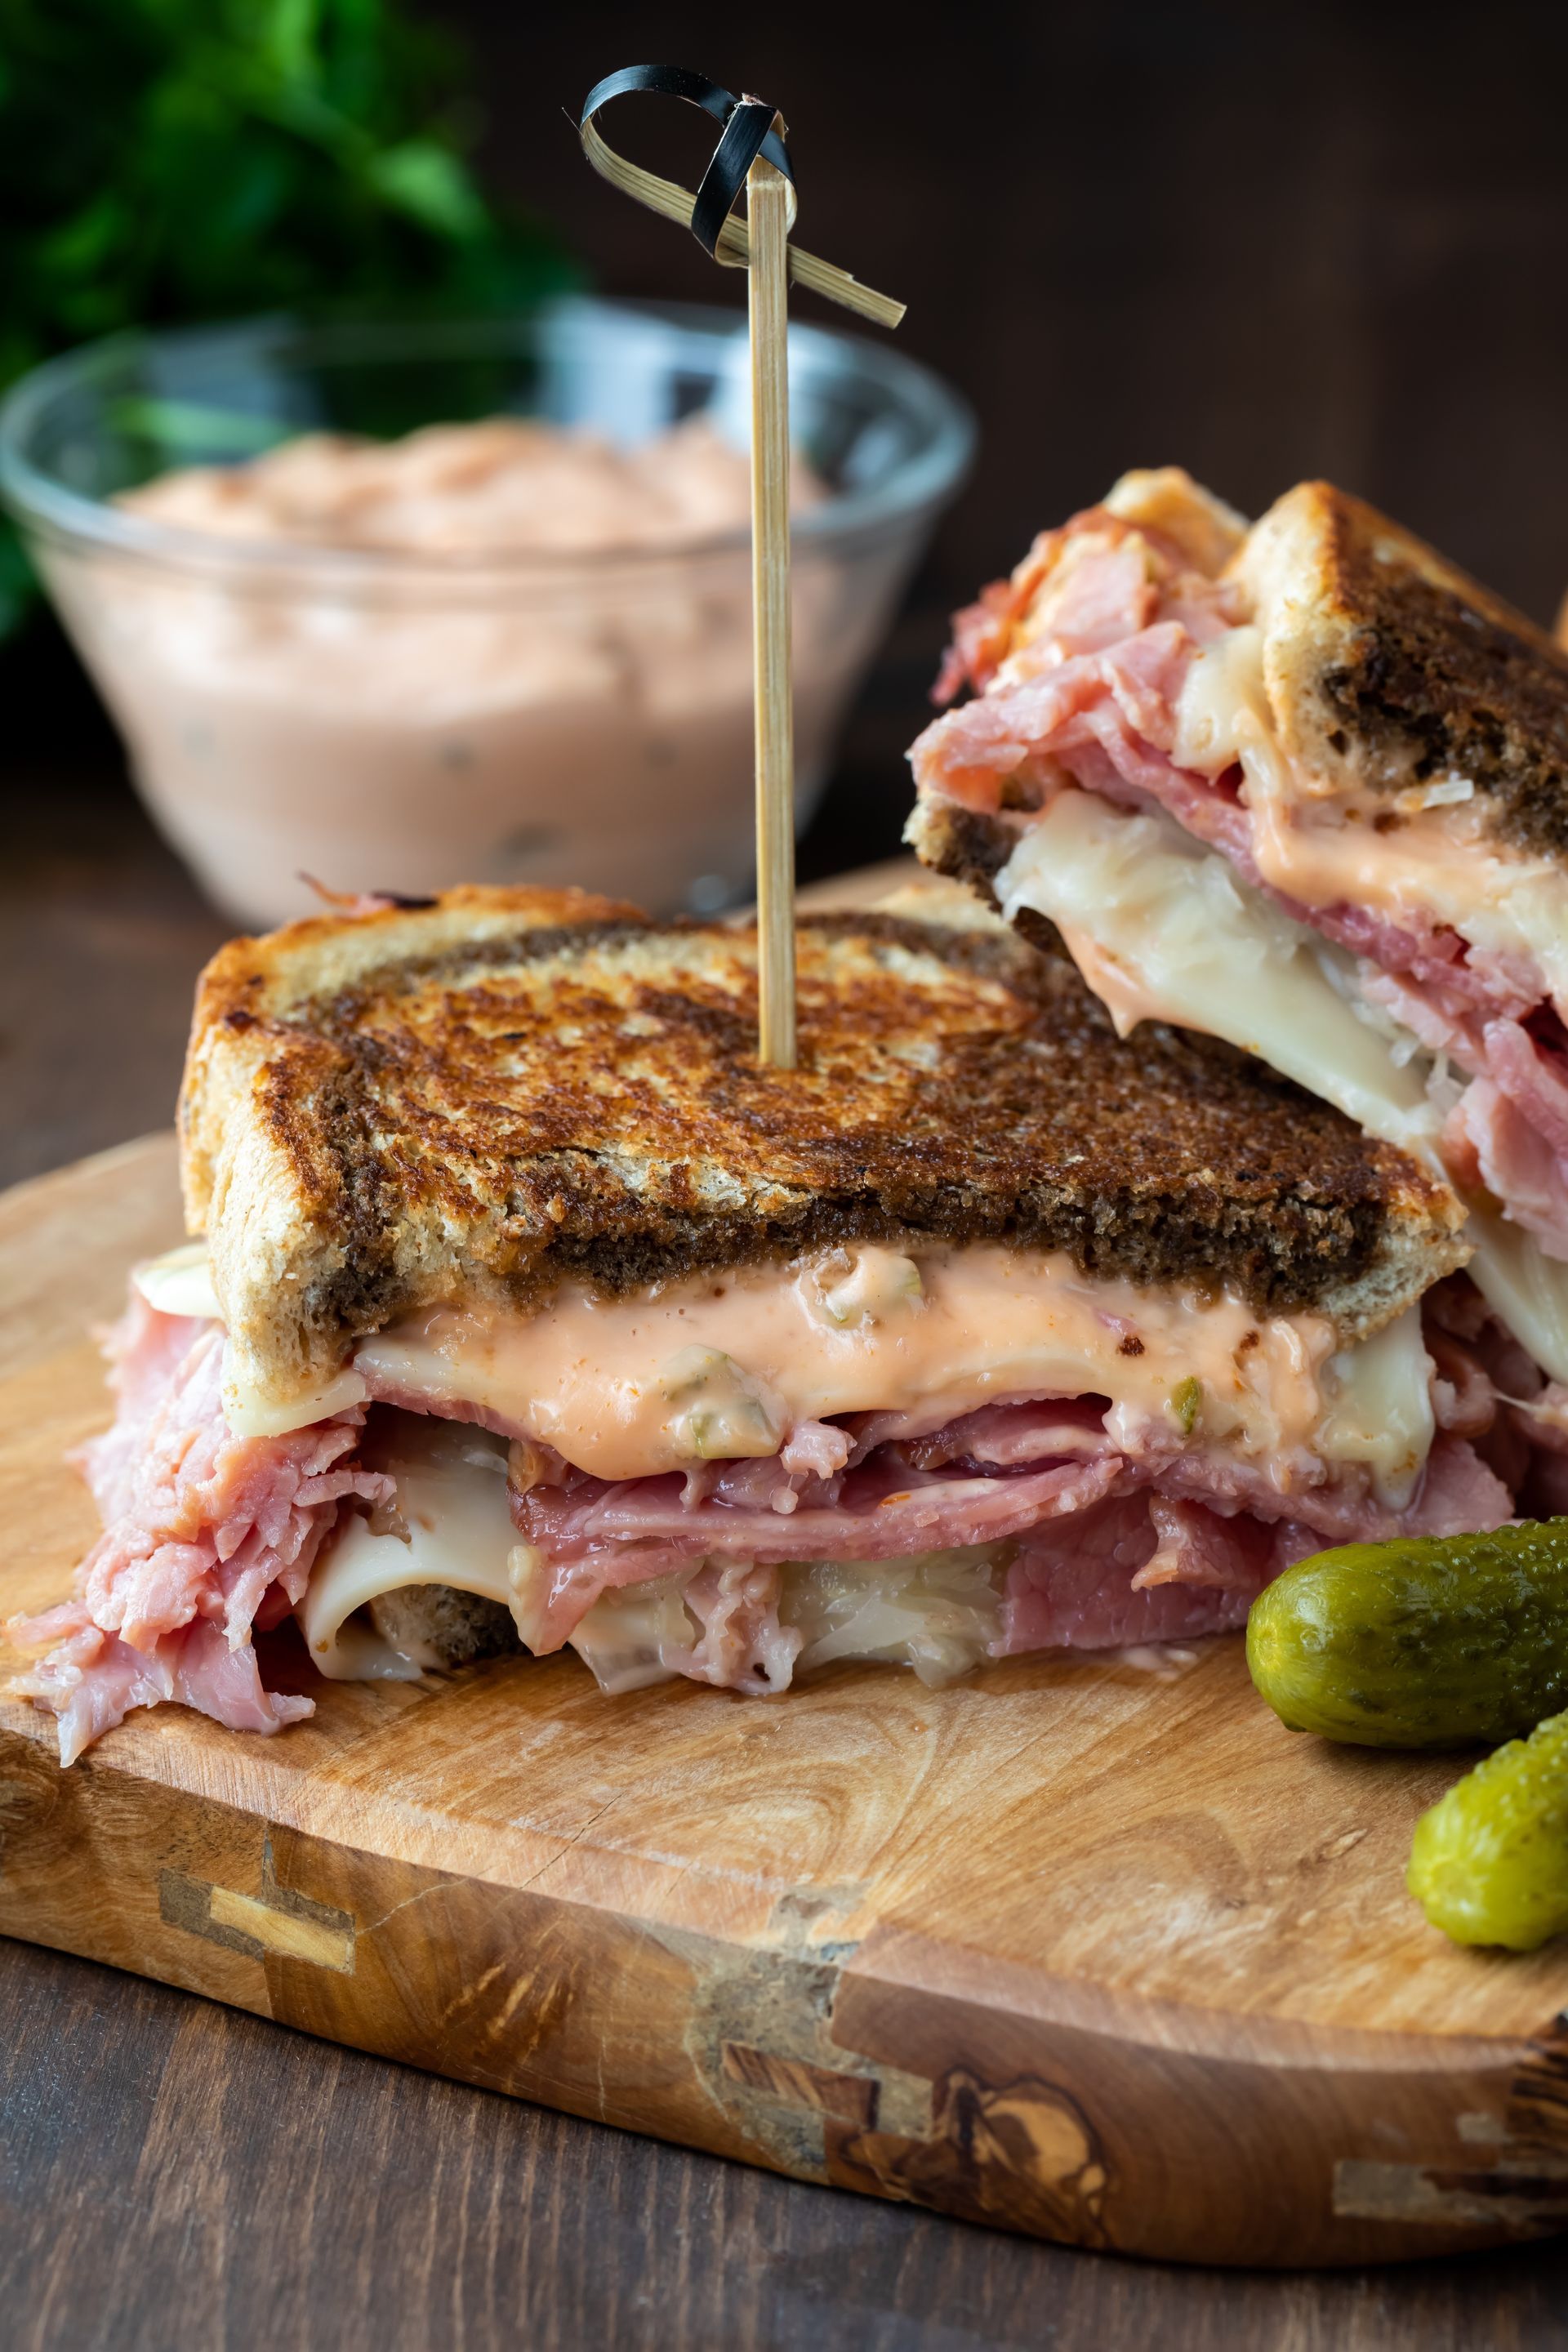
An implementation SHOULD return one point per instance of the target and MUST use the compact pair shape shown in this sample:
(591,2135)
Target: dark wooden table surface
(177,2177)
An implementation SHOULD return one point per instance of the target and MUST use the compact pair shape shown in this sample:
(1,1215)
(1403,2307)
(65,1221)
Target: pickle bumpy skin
(1489,1864)
(1437,1642)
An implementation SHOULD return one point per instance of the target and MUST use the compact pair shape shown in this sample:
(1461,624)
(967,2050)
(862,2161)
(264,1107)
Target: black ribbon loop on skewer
(748,133)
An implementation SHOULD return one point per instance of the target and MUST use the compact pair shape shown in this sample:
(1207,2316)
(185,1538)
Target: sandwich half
(529,1311)
(1303,787)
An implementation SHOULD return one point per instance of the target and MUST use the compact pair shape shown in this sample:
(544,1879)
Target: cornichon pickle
(1489,1864)
(1430,1643)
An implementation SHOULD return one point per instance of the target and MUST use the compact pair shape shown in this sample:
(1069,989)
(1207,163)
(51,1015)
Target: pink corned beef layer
(1097,704)
(208,1534)
(1113,1545)
(205,1534)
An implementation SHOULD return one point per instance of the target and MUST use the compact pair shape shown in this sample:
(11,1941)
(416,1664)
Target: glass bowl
(384,720)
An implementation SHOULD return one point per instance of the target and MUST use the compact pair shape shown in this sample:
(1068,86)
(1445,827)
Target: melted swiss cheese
(1163,929)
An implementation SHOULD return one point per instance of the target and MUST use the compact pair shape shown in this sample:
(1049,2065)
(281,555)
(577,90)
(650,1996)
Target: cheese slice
(249,1415)
(180,1283)
(1522,1284)
(1163,929)
(452,1500)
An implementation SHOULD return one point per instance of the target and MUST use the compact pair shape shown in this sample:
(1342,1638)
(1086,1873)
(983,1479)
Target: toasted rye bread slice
(1386,665)
(481,1098)
(971,847)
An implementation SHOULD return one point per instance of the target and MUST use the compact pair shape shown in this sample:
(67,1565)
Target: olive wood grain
(1093,1949)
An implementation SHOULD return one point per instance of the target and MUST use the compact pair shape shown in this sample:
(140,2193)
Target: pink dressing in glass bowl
(351,642)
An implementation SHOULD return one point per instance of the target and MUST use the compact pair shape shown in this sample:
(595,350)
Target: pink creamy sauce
(208,1536)
(505,485)
(1078,663)
(535,679)
(837,1335)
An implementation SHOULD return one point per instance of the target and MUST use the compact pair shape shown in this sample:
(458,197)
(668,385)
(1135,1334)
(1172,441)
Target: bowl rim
(51,509)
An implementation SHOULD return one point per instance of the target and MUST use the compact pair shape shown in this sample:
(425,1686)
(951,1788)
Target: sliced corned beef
(205,1534)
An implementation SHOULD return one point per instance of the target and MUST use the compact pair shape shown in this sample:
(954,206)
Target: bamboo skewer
(762,247)
(768,209)
(735,248)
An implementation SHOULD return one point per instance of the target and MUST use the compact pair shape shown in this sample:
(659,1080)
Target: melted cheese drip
(1318,841)
(1163,929)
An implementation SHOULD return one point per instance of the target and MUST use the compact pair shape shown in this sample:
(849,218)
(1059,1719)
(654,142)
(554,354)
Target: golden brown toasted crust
(1165,498)
(479,1099)
(1386,664)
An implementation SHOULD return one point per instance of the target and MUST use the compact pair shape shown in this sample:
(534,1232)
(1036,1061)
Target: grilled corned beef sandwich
(533,1311)
(1303,787)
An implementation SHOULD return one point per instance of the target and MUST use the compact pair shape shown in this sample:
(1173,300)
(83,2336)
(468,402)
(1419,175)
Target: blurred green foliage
(181,160)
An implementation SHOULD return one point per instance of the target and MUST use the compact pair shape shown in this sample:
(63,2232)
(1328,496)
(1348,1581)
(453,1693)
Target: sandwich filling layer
(1163,929)
(750,1364)
(1114,665)
(931,1456)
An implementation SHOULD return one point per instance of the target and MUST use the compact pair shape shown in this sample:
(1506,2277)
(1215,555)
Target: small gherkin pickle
(1489,1864)
(1428,1641)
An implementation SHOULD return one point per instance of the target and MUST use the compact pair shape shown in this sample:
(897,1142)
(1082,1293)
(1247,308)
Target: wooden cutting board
(1094,1950)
